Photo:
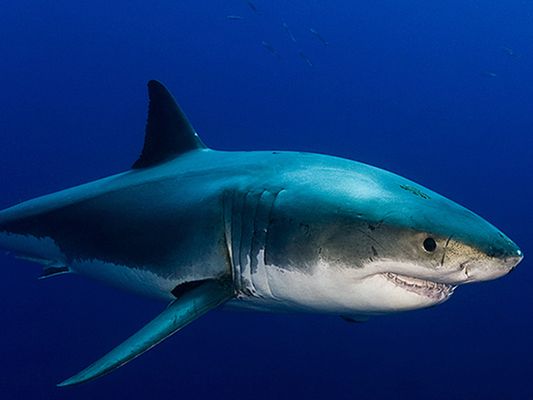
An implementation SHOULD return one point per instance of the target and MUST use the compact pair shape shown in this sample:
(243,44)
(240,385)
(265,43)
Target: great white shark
(263,230)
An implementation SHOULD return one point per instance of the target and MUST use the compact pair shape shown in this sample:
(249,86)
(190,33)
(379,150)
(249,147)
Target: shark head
(412,265)
(378,243)
(418,246)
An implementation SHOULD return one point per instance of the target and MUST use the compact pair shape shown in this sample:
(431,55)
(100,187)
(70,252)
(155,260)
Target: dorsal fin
(168,131)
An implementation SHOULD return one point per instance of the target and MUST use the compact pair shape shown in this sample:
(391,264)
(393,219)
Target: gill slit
(247,224)
(227,211)
(242,255)
(269,223)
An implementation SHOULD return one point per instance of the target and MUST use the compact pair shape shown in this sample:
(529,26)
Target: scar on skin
(415,191)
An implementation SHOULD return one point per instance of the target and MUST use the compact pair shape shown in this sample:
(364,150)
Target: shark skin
(266,230)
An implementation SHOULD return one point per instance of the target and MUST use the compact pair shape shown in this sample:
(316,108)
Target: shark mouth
(433,290)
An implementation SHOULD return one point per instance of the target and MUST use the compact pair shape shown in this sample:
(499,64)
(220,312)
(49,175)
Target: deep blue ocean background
(439,92)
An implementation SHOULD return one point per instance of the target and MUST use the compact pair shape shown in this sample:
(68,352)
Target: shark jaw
(426,288)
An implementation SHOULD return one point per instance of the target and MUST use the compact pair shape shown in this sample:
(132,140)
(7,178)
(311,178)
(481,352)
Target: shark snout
(508,254)
(499,261)
(512,261)
(505,249)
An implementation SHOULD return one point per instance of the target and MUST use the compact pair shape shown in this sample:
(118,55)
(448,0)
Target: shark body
(270,231)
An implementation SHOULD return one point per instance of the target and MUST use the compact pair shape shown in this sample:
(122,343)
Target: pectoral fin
(189,306)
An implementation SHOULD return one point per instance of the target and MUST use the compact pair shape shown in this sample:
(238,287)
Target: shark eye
(430,245)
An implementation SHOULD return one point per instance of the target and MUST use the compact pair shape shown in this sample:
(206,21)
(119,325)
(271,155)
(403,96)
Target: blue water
(440,92)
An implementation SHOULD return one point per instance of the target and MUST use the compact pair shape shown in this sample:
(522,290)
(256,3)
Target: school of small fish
(251,5)
(269,47)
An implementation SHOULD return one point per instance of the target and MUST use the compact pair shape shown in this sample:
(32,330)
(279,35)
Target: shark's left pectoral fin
(185,309)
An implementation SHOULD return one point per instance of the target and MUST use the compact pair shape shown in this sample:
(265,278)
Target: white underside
(141,281)
(321,288)
(328,289)
(46,252)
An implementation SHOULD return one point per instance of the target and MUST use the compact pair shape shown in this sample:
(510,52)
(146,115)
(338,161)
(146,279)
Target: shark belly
(137,280)
(44,251)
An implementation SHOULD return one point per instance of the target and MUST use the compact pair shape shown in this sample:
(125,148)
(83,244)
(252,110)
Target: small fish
(251,5)
(489,74)
(305,58)
(319,36)
(510,52)
(270,48)
(287,29)
(234,17)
